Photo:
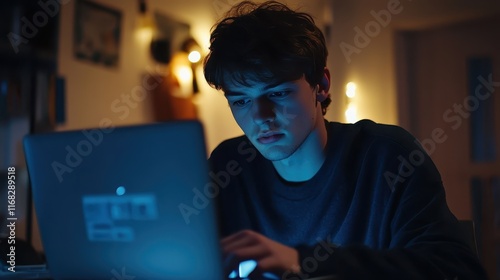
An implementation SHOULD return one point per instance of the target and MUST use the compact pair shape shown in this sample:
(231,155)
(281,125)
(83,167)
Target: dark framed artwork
(97,33)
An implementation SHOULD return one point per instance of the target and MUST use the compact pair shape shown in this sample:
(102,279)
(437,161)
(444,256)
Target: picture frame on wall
(97,33)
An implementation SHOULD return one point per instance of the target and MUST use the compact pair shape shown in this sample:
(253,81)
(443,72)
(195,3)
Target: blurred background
(430,66)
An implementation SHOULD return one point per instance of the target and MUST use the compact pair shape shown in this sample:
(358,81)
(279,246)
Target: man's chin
(274,153)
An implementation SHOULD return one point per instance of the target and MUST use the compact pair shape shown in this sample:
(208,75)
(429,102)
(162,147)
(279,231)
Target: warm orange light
(351,113)
(351,90)
(194,56)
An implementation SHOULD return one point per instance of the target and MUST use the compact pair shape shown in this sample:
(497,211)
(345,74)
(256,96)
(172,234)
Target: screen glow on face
(277,118)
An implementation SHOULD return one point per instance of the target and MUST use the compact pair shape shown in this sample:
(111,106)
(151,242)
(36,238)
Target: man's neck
(306,161)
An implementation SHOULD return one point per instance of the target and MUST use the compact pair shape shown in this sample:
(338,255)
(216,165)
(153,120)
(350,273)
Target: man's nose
(263,110)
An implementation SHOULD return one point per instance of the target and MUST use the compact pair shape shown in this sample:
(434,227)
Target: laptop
(124,202)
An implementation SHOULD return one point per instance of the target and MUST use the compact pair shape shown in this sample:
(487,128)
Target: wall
(363,59)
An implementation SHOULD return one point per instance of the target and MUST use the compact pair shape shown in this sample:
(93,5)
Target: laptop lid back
(125,202)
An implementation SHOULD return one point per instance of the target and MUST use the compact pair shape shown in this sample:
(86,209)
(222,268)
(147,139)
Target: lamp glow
(194,56)
(184,74)
(350,89)
(145,27)
(351,114)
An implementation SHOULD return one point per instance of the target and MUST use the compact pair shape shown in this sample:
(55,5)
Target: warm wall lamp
(193,49)
(145,22)
(351,110)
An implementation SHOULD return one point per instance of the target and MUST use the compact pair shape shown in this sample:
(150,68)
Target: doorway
(449,85)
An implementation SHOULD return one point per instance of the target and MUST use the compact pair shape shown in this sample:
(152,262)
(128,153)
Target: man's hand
(270,255)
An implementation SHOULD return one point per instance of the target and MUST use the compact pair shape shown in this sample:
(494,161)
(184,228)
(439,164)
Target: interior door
(448,88)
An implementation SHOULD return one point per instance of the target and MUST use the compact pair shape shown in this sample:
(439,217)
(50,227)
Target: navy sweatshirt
(376,209)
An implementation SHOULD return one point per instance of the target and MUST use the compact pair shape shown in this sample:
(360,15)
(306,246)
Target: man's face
(277,118)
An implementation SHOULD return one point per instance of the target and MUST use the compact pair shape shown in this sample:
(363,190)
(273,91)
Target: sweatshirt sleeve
(426,240)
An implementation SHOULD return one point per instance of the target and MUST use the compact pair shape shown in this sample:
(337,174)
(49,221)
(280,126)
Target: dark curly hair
(268,43)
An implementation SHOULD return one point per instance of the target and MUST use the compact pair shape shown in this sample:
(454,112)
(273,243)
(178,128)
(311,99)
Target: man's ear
(324,86)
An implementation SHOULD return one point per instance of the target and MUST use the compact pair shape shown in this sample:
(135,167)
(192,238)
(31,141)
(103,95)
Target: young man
(307,197)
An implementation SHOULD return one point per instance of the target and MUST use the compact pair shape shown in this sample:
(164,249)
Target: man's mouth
(268,138)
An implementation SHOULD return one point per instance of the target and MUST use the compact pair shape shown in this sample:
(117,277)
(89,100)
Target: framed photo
(97,33)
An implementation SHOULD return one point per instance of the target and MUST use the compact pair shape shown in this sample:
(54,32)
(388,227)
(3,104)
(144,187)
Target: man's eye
(240,103)
(280,94)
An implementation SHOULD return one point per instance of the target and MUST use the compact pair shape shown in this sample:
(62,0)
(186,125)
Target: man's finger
(255,252)
(244,234)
